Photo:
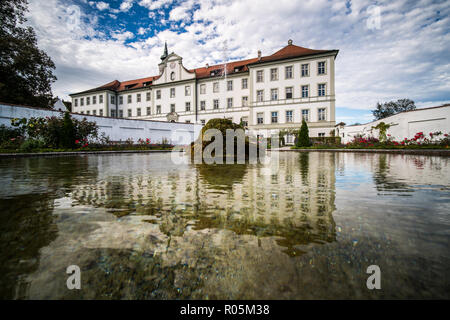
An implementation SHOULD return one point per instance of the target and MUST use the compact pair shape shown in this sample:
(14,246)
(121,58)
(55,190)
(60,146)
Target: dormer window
(236,69)
(212,73)
(172,76)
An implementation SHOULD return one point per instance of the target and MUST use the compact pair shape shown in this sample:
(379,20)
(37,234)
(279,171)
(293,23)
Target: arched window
(172,76)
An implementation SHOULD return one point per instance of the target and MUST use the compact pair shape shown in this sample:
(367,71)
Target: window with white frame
(321,114)
(229,85)
(172,107)
(120,99)
(305,70)
(215,87)
(81,101)
(100,98)
(260,118)
(229,102)
(203,88)
(273,74)
(158,109)
(113,100)
(260,76)
(89,112)
(149,111)
(288,92)
(121,113)
(321,90)
(94,100)
(138,112)
(244,83)
(274,116)
(88,101)
(305,91)
(203,121)
(101,112)
(288,72)
(172,92)
(187,90)
(321,67)
(158,94)
(216,103)
(148,96)
(138,97)
(94,112)
(305,115)
(75,102)
(113,113)
(289,117)
(260,95)
(129,98)
(245,101)
(321,134)
(202,105)
(244,121)
(273,94)
(129,113)
(188,106)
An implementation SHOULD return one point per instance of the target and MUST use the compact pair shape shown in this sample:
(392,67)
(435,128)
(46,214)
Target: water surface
(141,227)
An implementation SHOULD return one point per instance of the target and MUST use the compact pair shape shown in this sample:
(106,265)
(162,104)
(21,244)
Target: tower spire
(165,54)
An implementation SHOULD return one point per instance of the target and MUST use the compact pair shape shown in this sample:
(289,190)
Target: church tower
(163,57)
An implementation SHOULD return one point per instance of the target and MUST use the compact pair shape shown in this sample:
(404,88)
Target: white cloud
(406,58)
(154,4)
(122,35)
(102,5)
(126,5)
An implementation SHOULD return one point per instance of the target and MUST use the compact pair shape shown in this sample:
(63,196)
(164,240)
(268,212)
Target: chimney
(207,65)
(289,42)
(259,54)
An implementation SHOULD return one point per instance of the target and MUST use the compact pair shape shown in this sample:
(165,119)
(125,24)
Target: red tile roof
(292,51)
(288,52)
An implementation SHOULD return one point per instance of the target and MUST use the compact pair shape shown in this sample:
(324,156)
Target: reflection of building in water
(397,171)
(294,204)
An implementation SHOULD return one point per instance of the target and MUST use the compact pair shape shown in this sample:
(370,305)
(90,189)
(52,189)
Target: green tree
(26,72)
(387,109)
(303,136)
(68,132)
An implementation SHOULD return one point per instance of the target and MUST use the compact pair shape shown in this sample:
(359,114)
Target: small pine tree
(303,136)
(68,132)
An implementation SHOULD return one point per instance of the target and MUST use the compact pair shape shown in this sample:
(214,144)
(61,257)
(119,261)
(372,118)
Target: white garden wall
(115,129)
(403,125)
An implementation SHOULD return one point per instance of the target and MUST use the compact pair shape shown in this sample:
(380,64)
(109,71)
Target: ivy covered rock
(222,125)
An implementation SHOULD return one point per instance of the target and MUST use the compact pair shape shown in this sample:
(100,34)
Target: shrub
(56,132)
(303,136)
(68,132)
(30,144)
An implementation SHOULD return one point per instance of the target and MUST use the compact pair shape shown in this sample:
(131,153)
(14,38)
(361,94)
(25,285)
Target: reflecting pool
(142,227)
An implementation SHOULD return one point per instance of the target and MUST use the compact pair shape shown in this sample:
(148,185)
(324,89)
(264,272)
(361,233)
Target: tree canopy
(387,109)
(26,72)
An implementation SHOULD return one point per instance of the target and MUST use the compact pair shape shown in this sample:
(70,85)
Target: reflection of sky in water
(140,226)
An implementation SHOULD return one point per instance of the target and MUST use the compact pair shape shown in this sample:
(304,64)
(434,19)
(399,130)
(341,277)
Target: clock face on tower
(172,65)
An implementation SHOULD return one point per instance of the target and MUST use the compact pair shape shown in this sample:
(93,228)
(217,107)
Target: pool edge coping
(426,152)
(78,153)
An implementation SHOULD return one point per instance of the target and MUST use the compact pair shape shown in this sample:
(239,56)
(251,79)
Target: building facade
(266,93)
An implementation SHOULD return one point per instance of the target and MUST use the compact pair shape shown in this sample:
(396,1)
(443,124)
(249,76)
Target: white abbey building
(266,93)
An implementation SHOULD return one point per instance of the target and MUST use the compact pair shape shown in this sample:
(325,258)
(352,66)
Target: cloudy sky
(387,49)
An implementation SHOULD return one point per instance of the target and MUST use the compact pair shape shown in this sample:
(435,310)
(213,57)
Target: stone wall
(116,129)
(403,125)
